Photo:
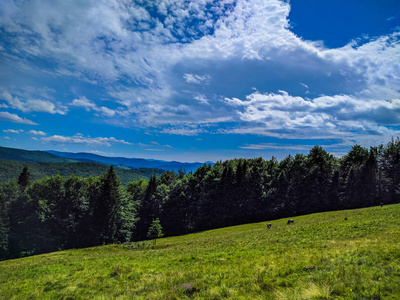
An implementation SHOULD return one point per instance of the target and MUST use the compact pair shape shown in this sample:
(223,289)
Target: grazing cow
(269,225)
(290,221)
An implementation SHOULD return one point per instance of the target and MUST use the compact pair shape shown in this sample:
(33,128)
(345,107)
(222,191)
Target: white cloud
(340,116)
(13,130)
(32,105)
(305,85)
(84,102)
(201,98)
(89,105)
(107,111)
(36,132)
(6,116)
(267,146)
(195,78)
(159,150)
(183,131)
(80,139)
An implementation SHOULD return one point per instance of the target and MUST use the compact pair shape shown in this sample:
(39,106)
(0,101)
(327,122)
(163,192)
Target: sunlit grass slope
(351,254)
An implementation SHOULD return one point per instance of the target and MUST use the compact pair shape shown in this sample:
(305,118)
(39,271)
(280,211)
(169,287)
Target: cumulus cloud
(84,102)
(36,132)
(89,105)
(6,116)
(340,116)
(32,104)
(80,139)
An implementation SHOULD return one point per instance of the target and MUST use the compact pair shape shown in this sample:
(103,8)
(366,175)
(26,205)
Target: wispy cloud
(13,130)
(274,146)
(183,131)
(195,78)
(89,105)
(80,139)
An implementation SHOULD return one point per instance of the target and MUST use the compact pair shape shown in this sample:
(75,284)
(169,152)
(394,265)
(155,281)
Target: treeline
(10,169)
(59,213)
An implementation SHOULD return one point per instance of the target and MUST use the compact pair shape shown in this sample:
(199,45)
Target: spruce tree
(24,178)
(105,208)
(148,210)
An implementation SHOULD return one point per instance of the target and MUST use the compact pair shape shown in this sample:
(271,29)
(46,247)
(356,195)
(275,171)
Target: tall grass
(352,254)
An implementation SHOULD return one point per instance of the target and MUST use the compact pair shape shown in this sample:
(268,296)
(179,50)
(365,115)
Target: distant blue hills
(119,162)
(124,162)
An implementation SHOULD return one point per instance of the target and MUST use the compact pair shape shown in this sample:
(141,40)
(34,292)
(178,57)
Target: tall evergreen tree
(24,178)
(105,207)
(391,169)
(148,209)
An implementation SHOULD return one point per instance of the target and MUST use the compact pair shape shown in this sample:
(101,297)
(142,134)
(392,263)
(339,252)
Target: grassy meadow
(353,254)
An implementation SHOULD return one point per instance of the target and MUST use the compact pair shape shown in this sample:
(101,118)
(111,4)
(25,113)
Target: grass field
(352,254)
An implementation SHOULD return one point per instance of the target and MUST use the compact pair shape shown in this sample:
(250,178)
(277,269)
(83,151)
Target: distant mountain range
(119,162)
(129,162)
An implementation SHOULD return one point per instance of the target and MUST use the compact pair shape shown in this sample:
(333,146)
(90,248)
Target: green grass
(321,256)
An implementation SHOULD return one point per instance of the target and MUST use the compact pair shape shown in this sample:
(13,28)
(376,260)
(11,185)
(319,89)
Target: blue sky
(199,81)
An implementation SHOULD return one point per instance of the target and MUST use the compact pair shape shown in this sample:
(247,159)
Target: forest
(11,169)
(60,212)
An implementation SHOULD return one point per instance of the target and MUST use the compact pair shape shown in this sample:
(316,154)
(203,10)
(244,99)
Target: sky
(199,80)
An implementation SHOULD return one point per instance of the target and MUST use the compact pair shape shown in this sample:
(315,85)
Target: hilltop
(120,162)
(130,162)
(31,156)
(11,169)
(350,254)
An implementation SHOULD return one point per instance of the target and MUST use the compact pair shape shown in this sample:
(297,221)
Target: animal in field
(290,221)
(269,225)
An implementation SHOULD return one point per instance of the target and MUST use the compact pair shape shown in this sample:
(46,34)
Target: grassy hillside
(11,169)
(351,254)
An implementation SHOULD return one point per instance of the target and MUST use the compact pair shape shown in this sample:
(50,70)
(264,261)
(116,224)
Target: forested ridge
(38,170)
(58,212)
